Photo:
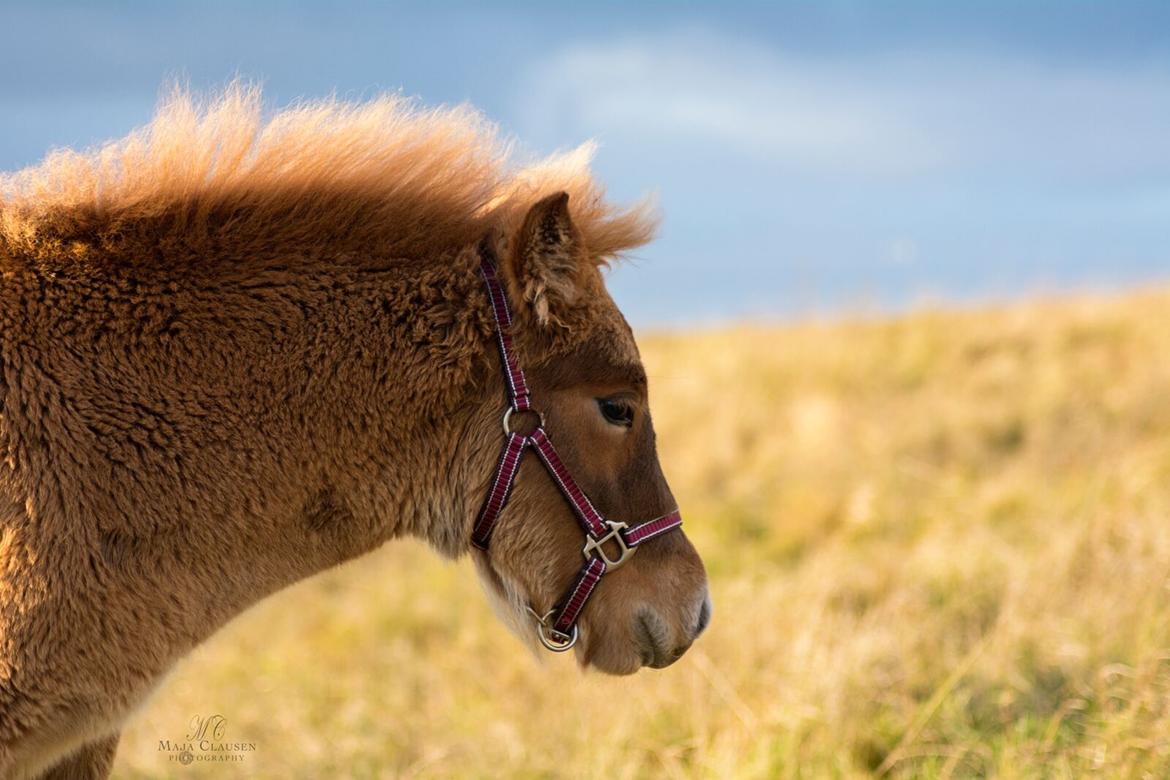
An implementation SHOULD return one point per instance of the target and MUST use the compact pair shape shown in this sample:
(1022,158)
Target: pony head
(590,389)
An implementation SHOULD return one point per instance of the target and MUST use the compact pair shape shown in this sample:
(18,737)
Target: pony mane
(386,177)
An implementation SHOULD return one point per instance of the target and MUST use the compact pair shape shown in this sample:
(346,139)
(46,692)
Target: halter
(557,628)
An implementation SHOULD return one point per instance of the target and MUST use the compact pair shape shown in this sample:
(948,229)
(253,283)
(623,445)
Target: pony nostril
(654,635)
(704,615)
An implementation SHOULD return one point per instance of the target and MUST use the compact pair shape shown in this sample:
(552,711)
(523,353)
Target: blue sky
(808,157)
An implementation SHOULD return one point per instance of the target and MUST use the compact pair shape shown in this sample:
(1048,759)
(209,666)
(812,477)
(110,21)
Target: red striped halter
(557,633)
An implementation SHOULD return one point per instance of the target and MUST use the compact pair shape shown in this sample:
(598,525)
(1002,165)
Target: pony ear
(545,264)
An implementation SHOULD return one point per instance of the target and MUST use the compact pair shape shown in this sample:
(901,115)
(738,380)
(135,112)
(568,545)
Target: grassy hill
(939,546)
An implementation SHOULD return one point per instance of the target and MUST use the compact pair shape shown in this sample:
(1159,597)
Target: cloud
(692,87)
(902,251)
(913,113)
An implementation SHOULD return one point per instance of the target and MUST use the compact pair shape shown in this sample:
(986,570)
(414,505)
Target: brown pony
(237,351)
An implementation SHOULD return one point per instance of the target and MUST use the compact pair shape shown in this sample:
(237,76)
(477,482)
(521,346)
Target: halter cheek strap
(608,544)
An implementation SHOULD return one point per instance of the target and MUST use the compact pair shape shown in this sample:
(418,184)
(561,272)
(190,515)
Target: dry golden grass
(939,545)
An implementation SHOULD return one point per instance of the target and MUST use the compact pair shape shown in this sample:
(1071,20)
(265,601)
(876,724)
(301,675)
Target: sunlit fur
(237,351)
(386,178)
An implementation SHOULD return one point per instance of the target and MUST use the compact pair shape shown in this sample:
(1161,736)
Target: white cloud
(707,90)
(914,113)
(903,252)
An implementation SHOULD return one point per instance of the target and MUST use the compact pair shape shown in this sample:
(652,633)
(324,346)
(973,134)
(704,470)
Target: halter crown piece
(557,628)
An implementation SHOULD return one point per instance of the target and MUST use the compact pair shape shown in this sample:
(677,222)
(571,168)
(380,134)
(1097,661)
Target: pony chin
(509,605)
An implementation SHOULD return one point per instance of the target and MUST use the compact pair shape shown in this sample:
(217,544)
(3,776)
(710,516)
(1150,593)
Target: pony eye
(616,412)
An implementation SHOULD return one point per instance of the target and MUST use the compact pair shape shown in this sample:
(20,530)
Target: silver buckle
(594,546)
(551,638)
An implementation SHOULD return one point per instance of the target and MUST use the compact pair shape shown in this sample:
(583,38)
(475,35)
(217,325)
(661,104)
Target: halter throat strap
(608,544)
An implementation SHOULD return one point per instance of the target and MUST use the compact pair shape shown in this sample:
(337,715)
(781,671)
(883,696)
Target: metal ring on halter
(555,640)
(508,418)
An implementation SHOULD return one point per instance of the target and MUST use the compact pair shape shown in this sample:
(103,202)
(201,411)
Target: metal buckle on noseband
(551,638)
(593,546)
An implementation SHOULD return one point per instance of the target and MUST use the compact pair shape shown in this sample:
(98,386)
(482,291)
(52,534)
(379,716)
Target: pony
(238,347)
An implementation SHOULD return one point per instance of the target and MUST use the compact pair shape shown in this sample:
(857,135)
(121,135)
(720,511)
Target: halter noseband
(557,633)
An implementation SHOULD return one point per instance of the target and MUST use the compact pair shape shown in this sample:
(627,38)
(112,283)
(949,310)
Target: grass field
(939,545)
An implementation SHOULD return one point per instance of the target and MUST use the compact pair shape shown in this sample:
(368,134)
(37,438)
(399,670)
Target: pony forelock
(328,175)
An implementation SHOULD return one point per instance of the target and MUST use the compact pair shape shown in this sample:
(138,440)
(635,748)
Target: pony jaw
(508,603)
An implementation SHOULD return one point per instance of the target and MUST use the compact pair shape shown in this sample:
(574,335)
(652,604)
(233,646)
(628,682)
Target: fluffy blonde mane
(384,177)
